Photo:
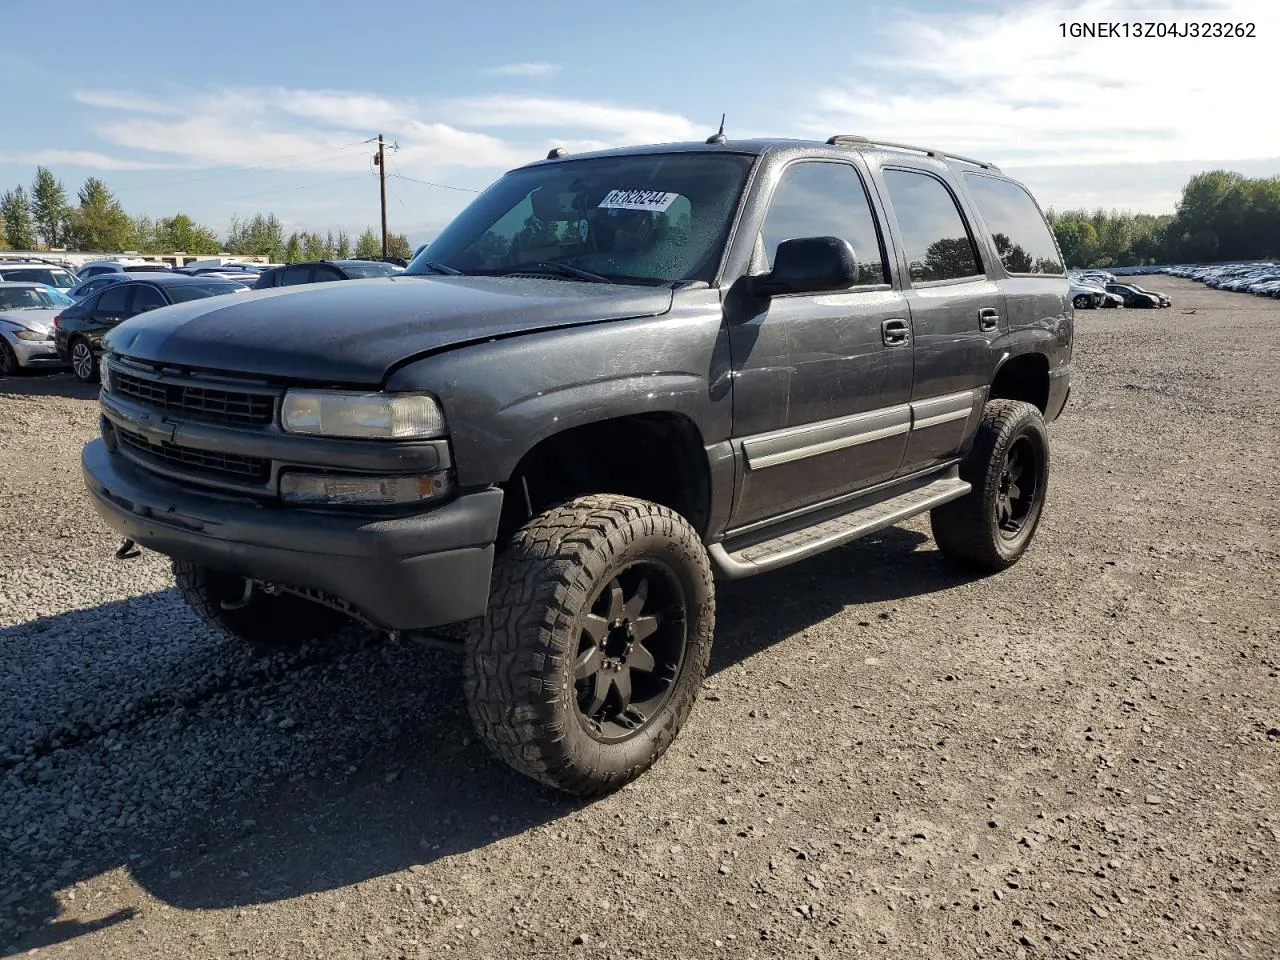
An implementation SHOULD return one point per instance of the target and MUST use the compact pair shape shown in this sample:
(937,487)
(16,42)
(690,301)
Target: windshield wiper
(564,270)
(440,268)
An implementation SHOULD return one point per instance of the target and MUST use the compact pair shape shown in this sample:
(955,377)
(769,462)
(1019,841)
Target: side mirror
(809,265)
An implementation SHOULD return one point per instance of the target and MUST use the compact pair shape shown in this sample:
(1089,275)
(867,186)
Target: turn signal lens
(360,490)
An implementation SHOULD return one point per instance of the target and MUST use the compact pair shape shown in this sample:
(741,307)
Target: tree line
(95,221)
(1222,216)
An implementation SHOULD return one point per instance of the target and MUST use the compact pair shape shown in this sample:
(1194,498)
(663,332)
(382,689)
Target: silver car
(26,326)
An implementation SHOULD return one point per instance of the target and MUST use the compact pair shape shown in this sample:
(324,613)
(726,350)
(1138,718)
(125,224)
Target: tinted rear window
(1021,236)
(934,233)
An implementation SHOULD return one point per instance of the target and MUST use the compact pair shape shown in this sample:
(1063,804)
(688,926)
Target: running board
(796,544)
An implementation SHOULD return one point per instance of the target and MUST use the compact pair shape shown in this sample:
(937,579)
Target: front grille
(221,466)
(197,402)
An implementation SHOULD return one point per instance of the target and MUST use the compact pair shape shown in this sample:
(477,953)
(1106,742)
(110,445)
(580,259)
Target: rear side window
(291,276)
(937,243)
(1022,238)
(114,299)
(145,298)
(327,274)
(824,199)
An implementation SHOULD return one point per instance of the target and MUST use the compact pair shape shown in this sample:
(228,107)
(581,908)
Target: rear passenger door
(956,312)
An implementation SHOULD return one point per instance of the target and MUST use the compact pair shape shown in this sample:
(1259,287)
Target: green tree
(313,247)
(368,246)
(19,228)
(342,250)
(293,249)
(144,234)
(180,232)
(263,236)
(99,223)
(398,246)
(49,206)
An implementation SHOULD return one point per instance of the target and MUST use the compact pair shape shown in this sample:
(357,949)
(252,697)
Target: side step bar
(796,544)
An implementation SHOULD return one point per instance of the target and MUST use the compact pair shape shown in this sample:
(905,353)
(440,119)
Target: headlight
(339,413)
(357,489)
(33,335)
(104,375)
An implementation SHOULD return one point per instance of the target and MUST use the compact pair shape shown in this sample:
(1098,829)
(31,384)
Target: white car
(26,326)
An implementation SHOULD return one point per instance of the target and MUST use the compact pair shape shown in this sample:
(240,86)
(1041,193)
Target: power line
(305,186)
(428,183)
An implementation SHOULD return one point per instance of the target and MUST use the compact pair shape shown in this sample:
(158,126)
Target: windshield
(361,271)
(181,292)
(32,298)
(645,218)
(53,277)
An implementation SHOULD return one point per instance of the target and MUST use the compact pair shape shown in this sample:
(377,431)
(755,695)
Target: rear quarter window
(1018,229)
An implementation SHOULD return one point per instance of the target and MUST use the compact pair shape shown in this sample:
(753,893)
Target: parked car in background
(27,271)
(1085,296)
(86,288)
(323,271)
(95,268)
(81,326)
(27,311)
(1133,297)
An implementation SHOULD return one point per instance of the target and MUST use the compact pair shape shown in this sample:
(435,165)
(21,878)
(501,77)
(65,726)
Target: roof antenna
(718,136)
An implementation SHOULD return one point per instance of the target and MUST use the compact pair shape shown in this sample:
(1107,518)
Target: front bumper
(402,572)
(35,353)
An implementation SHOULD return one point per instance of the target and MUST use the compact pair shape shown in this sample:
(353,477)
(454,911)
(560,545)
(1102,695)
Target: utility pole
(381,161)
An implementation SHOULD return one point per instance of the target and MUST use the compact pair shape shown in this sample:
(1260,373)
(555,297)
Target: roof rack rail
(852,140)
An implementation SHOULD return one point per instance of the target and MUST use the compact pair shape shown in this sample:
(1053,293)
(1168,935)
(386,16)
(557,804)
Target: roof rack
(852,140)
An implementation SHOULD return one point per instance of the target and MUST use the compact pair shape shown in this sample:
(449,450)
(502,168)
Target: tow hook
(127,550)
(243,602)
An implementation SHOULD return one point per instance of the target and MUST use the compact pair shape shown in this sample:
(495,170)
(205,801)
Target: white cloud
(123,100)
(537,69)
(625,124)
(1008,86)
(87,158)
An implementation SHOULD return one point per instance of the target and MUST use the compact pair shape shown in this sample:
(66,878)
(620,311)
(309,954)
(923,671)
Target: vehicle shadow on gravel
(421,789)
(30,383)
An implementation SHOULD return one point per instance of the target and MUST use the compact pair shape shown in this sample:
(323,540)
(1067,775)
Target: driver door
(822,381)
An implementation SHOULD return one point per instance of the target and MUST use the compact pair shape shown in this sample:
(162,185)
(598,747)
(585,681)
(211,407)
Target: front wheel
(1081,301)
(1008,467)
(83,363)
(8,360)
(595,643)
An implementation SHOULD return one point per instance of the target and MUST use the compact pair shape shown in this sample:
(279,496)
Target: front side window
(642,218)
(936,241)
(1022,238)
(821,199)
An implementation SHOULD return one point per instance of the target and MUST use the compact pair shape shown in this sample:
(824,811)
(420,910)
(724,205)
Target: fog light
(357,489)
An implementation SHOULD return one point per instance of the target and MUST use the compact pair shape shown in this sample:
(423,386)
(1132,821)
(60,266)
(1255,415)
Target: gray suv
(610,380)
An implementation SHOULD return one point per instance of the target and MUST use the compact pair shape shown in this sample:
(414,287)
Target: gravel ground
(1078,757)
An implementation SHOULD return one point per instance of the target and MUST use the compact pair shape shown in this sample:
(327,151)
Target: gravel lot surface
(1078,757)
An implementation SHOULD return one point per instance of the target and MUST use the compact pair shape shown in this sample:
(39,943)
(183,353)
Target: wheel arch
(1022,376)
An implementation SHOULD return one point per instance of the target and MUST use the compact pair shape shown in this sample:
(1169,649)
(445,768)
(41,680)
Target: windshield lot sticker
(654,200)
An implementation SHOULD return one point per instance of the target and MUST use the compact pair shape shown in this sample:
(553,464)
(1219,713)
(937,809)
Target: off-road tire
(518,672)
(267,624)
(968,530)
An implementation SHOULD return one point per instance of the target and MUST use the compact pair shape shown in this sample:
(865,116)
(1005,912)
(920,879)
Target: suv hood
(355,331)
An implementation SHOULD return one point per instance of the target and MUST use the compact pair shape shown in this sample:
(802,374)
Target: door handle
(988,318)
(894,332)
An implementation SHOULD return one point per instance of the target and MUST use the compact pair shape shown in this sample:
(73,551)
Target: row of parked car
(1091,289)
(1261,279)
(54,316)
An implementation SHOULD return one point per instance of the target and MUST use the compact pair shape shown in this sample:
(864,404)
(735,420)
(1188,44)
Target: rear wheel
(595,643)
(266,623)
(1008,468)
(83,362)
(1081,301)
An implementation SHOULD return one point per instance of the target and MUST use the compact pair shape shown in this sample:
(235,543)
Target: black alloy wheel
(1020,488)
(630,651)
(8,360)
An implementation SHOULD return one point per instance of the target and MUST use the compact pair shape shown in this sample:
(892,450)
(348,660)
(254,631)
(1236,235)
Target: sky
(230,109)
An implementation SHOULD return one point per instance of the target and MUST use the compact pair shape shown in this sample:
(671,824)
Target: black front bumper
(402,572)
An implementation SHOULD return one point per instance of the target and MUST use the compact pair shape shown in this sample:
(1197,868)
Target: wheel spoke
(636,603)
(622,681)
(641,659)
(1002,511)
(599,692)
(1014,492)
(644,628)
(1015,470)
(596,627)
(587,663)
(616,604)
